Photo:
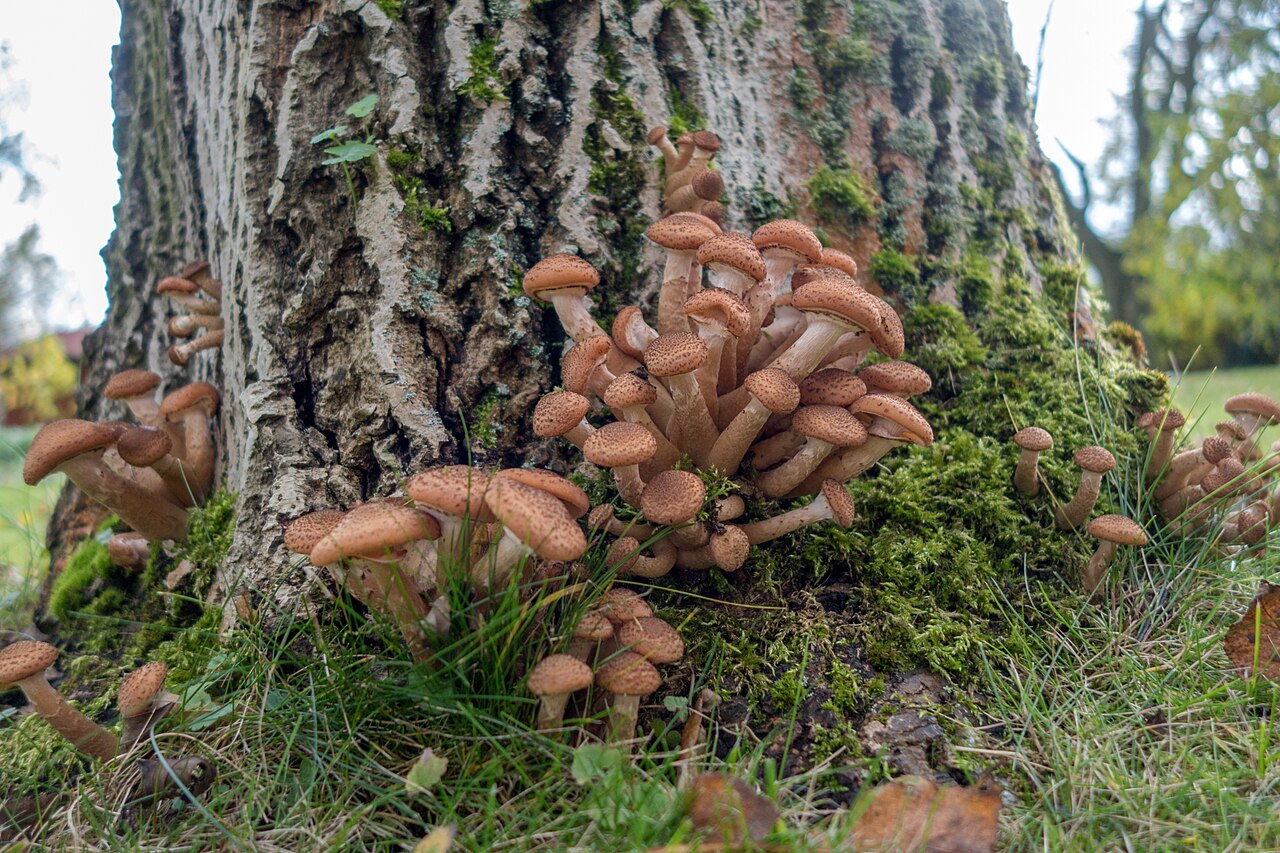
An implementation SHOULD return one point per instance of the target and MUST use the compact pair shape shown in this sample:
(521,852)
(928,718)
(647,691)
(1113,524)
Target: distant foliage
(37,382)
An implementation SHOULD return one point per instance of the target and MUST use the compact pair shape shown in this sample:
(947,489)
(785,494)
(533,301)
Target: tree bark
(359,344)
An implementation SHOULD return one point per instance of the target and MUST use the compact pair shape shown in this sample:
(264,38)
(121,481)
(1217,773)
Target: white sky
(67,119)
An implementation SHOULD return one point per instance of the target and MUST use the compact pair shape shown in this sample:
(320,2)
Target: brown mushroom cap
(717,305)
(629,390)
(559,274)
(628,674)
(575,500)
(1215,448)
(652,638)
(897,377)
(808,273)
(831,386)
(840,260)
(620,605)
(1167,420)
(840,502)
(1096,459)
(305,531)
(840,300)
(1118,529)
(707,184)
(456,490)
(58,441)
(1033,438)
(139,688)
(558,412)
(374,530)
(1224,472)
(536,518)
(594,626)
(1253,403)
(914,428)
(706,140)
(143,446)
(729,548)
(24,659)
(831,424)
(889,336)
(733,252)
(619,443)
(558,674)
(131,383)
(189,396)
(775,388)
(620,330)
(656,135)
(582,359)
(672,497)
(674,354)
(176,284)
(681,233)
(790,236)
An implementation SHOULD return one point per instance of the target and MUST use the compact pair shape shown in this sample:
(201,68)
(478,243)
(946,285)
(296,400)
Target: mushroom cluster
(753,372)
(1228,475)
(199,294)
(614,646)
(151,473)
(398,554)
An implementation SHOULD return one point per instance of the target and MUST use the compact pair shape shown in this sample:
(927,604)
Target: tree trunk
(368,331)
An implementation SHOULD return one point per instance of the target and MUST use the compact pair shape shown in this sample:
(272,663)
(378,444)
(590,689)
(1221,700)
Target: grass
(1116,725)
(1202,392)
(24,512)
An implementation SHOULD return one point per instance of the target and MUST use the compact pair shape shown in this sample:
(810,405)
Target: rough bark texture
(358,340)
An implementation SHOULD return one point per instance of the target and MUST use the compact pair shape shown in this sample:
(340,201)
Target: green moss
(483,424)
(683,116)
(840,196)
(975,286)
(986,80)
(941,343)
(484,83)
(698,10)
(897,274)
(393,9)
(88,567)
(759,205)
(428,216)
(915,138)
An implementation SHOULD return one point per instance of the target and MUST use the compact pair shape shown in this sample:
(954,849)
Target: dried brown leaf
(730,809)
(1253,643)
(915,814)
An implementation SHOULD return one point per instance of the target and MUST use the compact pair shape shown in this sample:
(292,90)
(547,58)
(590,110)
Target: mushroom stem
(731,446)
(780,525)
(1024,477)
(697,429)
(803,356)
(1073,513)
(623,713)
(185,325)
(551,710)
(390,594)
(181,353)
(83,733)
(778,481)
(1097,567)
(574,310)
(847,464)
(151,514)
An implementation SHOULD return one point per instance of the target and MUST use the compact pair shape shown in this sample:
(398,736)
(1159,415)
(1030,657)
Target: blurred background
(1162,119)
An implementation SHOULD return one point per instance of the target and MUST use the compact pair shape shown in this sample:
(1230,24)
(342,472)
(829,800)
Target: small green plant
(346,150)
(484,83)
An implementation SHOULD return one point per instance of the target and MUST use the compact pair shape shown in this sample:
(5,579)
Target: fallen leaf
(1253,643)
(426,772)
(916,814)
(730,809)
(440,840)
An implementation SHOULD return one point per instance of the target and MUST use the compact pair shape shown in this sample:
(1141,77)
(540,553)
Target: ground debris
(1253,643)
(916,814)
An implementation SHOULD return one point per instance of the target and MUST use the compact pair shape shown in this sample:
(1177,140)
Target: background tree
(1193,165)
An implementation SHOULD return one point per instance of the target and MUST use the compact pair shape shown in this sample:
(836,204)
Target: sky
(66,117)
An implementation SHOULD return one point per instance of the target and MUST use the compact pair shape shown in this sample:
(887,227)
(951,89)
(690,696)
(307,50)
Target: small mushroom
(1031,441)
(23,664)
(563,413)
(565,281)
(1093,461)
(1165,423)
(553,681)
(628,677)
(1110,531)
(624,447)
(193,407)
(652,638)
(592,629)
(832,504)
(137,390)
(129,550)
(143,702)
(620,605)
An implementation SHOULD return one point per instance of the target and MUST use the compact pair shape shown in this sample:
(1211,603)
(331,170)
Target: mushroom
(137,390)
(824,429)
(571,497)
(1166,423)
(891,422)
(901,378)
(832,307)
(676,498)
(631,333)
(651,638)
(630,395)
(726,548)
(592,629)
(832,504)
(721,318)
(187,294)
(143,702)
(1110,531)
(75,448)
(198,273)
(658,139)
(22,664)
(626,555)
(1253,412)
(180,354)
(535,524)
(565,281)
(129,550)
(193,406)
(602,518)
(562,413)
(144,447)
(623,447)
(676,357)
(454,495)
(303,533)
(1093,461)
(716,212)
(1031,441)
(553,681)
(733,262)
(186,325)
(628,677)
(704,185)
(773,392)
(620,605)
(1191,466)
(680,236)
